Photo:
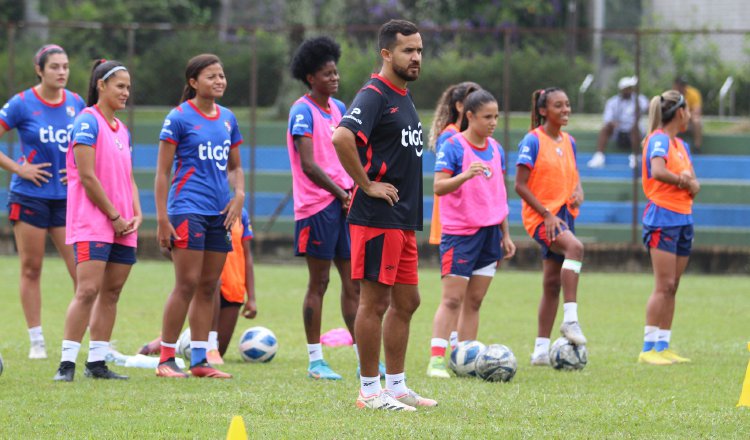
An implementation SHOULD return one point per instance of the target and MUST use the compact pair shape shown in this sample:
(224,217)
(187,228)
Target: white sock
(315,352)
(570,312)
(35,334)
(454,338)
(650,333)
(70,351)
(664,335)
(396,383)
(98,350)
(541,345)
(439,342)
(369,386)
(356,352)
(213,340)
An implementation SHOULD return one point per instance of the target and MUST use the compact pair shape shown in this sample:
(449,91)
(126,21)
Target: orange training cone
(745,395)
(237,429)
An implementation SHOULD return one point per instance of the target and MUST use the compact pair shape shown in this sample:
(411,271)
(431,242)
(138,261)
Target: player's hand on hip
(165,233)
(64,176)
(35,172)
(382,190)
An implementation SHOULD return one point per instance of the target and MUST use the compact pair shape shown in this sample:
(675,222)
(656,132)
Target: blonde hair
(446,112)
(663,108)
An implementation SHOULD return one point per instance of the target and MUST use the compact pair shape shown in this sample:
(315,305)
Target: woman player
(670,186)
(469,178)
(195,213)
(446,122)
(103,215)
(548,183)
(37,201)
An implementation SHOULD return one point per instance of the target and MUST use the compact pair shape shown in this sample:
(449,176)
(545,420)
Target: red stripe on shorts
(183,231)
(304,237)
(15,212)
(446,263)
(83,251)
(655,238)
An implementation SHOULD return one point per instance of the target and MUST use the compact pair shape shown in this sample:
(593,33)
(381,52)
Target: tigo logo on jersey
(412,138)
(48,134)
(218,153)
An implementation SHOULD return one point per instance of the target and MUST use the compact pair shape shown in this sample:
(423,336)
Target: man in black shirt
(379,143)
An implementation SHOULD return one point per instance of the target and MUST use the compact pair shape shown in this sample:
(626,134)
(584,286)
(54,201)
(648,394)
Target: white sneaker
(540,359)
(572,331)
(597,160)
(384,400)
(631,161)
(413,399)
(37,350)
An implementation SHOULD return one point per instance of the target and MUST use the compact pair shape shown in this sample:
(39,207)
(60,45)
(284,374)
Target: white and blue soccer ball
(183,344)
(564,355)
(258,344)
(496,364)
(464,356)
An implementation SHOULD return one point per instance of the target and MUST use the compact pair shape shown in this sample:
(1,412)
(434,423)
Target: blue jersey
(200,184)
(450,156)
(44,131)
(301,118)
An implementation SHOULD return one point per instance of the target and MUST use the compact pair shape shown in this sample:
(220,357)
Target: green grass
(614,397)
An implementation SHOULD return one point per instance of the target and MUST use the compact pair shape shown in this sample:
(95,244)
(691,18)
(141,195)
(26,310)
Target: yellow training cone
(237,429)
(745,395)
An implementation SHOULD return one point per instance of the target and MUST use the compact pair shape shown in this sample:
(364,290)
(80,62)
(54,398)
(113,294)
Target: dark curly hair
(312,55)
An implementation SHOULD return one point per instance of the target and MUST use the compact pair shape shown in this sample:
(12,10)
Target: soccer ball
(496,364)
(563,355)
(258,344)
(463,357)
(183,344)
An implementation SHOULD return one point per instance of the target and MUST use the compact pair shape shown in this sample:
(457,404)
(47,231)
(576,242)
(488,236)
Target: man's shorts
(101,251)
(386,256)
(540,234)
(461,255)
(673,239)
(324,235)
(42,213)
(201,232)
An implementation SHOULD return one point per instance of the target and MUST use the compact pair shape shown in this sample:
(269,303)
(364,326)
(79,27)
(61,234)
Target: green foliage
(614,397)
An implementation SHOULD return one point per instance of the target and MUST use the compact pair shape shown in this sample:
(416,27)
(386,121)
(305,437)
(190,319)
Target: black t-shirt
(389,143)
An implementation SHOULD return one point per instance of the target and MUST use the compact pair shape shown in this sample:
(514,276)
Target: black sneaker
(65,372)
(99,370)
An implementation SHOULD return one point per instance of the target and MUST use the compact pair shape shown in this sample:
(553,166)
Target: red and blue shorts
(540,234)
(324,235)
(386,256)
(461,255)
(673,239)
(199,232)
(42,213)
(101,251)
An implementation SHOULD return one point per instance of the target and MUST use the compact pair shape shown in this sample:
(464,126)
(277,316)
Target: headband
(112,71)
(45,49)
(669,113)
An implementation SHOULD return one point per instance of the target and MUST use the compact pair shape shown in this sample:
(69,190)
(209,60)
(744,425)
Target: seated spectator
(620,122)
(695,105)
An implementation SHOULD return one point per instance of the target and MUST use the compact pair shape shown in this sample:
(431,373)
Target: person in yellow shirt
(695,105)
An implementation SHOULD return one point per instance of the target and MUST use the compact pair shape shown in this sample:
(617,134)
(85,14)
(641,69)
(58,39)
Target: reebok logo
(462,261)
(367,384)
(393,110)
(396,382)
(389,267)
(100,245)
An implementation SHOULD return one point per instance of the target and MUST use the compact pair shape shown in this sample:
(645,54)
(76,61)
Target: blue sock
(197,355)
(648,345)
(662,345)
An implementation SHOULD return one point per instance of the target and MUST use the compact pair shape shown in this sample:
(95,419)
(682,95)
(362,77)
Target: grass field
(614,397)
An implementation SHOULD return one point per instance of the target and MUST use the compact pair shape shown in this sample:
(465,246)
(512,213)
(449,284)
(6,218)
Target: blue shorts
(673,239)
(101,251)
(42,213)
(540,234)
(463,254)
(201,232)
(324,235)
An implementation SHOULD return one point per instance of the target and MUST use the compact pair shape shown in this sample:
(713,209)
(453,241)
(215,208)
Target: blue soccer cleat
(321,370)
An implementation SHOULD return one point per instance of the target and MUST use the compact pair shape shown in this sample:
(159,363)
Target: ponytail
(654,113)
(663,108)
(102,69)
(446,112)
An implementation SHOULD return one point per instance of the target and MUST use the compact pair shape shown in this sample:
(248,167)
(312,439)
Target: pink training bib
(113,167)
(481,201)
